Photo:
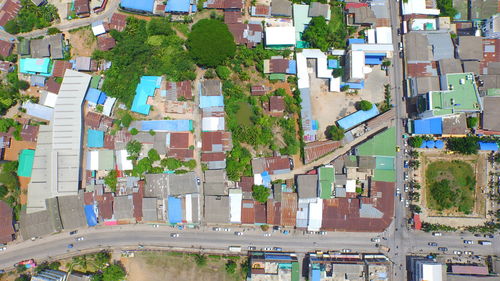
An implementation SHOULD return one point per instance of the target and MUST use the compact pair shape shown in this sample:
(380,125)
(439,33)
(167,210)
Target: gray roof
(366,162)
(281,8)
(340,192)
(215,176)
(442,46)
(417,48)
(77,276)
(211,87)
(72,212)
(450,66)
(160,139)
(83,63)
(217,209)
(427,84)
(317,9)
(307,186)
(491,114)
(37,224)
(195,208)
(56,167)
(144,137)
(470,48)
(123,207)
(277,192)
(493,68)
(380,8)
(490,81)
(216,165)
(363,15)
(215,188)
(369,211)
(163,185)
(149,210)
(50,46)
(340,180)
(471,66)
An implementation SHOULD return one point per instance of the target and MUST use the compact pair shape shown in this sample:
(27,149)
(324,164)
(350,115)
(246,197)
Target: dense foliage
(111,180)
(364,105)
(144,48)
(465,145)
(472,122)
(10,191)
(210,43)
(446,8)
(318,34)
(32,17)
(334,133)
(260,193)
(415,141)
(112,272)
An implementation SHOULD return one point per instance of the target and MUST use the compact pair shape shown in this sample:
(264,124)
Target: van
(235,249)
(400,46)
(485,243)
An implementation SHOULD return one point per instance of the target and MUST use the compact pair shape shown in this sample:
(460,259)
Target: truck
(235,249)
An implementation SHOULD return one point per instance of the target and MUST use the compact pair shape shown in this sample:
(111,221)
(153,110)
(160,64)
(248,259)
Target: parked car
(79,238)
(470,253)
(286,232)
(407,203)
(268,249)
(443,249)
(406,164)
(437,234)
(468,242)
(216,229)
(406,188)
(457,252)
(267,234)
(156,225)
(477,235)
(73,232)
(252,248)
(237,233)
(227,229)
(322,233)
(399,32)
(401,198)
(375,239)
(489,236)
(198,182)
(346,250)
(277,249)
(400,46)
(401,54)
(398,190)
(485,243)
(277,227)
(3,248)
(70,246)
(174,235)
(432,244)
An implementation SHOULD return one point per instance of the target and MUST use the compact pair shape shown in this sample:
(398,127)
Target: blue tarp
(146,88)
(429,126)
(356,41)
(357,118)
(90,215)
(177,6)
(292,67)
(194,8)
(266,179)
(439,144)
(333,64)
(429,144)
(354,85)
(315,276)
(138,5)
(174,210)
(93,95)
(211,101)
(102,98)
(490,146)
(95,138)
(166,125)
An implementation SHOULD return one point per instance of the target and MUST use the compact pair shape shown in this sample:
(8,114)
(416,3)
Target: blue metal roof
(146,88)
(356,41)
(93,95)
(373,60)
(354,85)
(357,118)
(102,98)
(90,215)
(333,63)
(138,5)
(439,144)
(292,67)
(34,66)
(429,126)
(277,257)
(178,6)
(174,210)
(490,146)
(95,138)
(211,101)
(315,276)
(166,125)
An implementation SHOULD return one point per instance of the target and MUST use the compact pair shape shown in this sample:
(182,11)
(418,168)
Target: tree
(414,154)
(230,267)
(113,272)
(446,8)
(201,260)
(23,85)
(338,72)
(386,63)
(32,17)
(317,34)
(209,74)
(414,164)
(134,131)
(472,122)
(345,88)
(101,259)
(53,30)
(191,164)
(152,132)
(260,193)
(159,26)
(210,43)
(415,141)
(12,27)
(171,163)
(134,148)
(364,105)
(153,155)
(23,277)
(143,166)
(111,180)
(334,133)
(465,145)
(126,120)
(223,72)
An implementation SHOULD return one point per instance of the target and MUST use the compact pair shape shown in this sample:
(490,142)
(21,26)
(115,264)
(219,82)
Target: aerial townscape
(259,140)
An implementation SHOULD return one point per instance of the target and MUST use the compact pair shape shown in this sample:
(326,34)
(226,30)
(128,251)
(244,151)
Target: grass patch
(450,185)
(244,114)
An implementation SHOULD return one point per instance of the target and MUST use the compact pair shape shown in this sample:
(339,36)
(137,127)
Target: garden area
(450,186)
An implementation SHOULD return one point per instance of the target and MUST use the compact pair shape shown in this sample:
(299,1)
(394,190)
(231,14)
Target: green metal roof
(384,163)
(326,180)
(26,159)
(385,175)
(383,144)
(461,96)
(277,76)
(295,271)
(94,82)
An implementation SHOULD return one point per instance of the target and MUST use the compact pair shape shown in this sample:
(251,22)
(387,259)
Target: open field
(156,266)
(83,42)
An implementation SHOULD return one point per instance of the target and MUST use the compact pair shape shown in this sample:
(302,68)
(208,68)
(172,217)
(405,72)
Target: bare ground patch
(83,42)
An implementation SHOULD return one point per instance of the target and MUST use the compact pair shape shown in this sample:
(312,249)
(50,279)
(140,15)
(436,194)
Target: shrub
(53,30)
(472,122)
(223,72)
(334,133)
(134,131)
(364,105)
(230,267)
(260,193)
(23,85)
(416,141)
(126,120)
(466,145)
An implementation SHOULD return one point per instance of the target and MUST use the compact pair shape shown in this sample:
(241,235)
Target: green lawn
(244,114)
(450,185)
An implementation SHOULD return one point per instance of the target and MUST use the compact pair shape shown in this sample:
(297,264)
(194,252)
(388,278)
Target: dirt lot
(328,107)
(83,42)
(153,266)
(454,218)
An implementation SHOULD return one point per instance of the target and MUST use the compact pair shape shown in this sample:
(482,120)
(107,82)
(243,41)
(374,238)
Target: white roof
(384,35)
(108,106)
(56,168)
(122,162)
(98,28)
(375,48)
(280,35)
(418,7)
(315,215)
(93,160)
(350,186)
(357,64)
(322,70)
(210,124)
(257,179)
(189,208)
(48,99)
(235,198)
(370,34)
(432,272)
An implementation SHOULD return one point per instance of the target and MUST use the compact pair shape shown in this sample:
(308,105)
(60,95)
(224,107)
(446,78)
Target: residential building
(491,27)
(273,266)
(272,165)
(7,230)
(9,11)
(281,8)
(5,48)
(280,36)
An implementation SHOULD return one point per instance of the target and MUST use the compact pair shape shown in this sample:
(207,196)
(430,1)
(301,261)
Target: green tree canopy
(317,34)
(364,105)
(338,72)
(223,72)
(126,119)
(472,122)
(210,43)
(32,17)
(230,267)
(260,193)
(113,272)
(134,148)
(153,155)
(465,145)
(171,163)
(446,8)
(334,133)
(111,180)
(416,141)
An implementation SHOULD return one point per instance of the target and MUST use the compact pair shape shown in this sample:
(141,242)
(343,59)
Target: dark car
(444,249)
(477,235)
(399,31)
(73,232)
(401,54)
(489,236)
(432,244)
(70,246)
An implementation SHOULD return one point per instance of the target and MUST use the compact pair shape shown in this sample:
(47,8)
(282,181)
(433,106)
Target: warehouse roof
(142,6)
(470,47)
(428,126)
(280,35)
(358,117)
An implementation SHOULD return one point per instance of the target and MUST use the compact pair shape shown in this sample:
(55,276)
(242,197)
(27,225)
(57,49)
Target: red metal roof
(52,86)
(246,184)
(258,90)
(273,212)
(260,212)
(209,139)
(88,198)
(160,7)
(417,222)
(105,206)
(118,22)
(278,65)
(93,120)
(60,67)
(183,89)
(262,10)
(469,269)
(179,140)
(181,154)
(5,48)
(82,7)
(137,201)
(29,133)
(277,103)
(241,32)
(105,42)
(9,11)
(214,156)
(232,17)
(288,208)
(315,150)
(247,212)
(355,5)
(422,69)
(7,229)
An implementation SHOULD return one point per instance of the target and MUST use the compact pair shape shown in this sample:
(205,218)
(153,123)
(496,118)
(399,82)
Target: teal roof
(95,138)
(384,163)
(383,144)
(146,88)
(326,180)
(300,19)
(35,66)
(25,166)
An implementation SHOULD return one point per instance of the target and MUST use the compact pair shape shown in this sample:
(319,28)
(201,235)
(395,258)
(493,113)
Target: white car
(468,242)
(457,252)
(227,229)
(407,203)
(237,233)
(216,229)
(268,249)
(406,188)
(174,235)
(267,234)
(468,253)
(437,234)
(156,225)
(401,198)
(346,250)
(322,233)
(398,190)
(376,240)
(79,238)
(3,249)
